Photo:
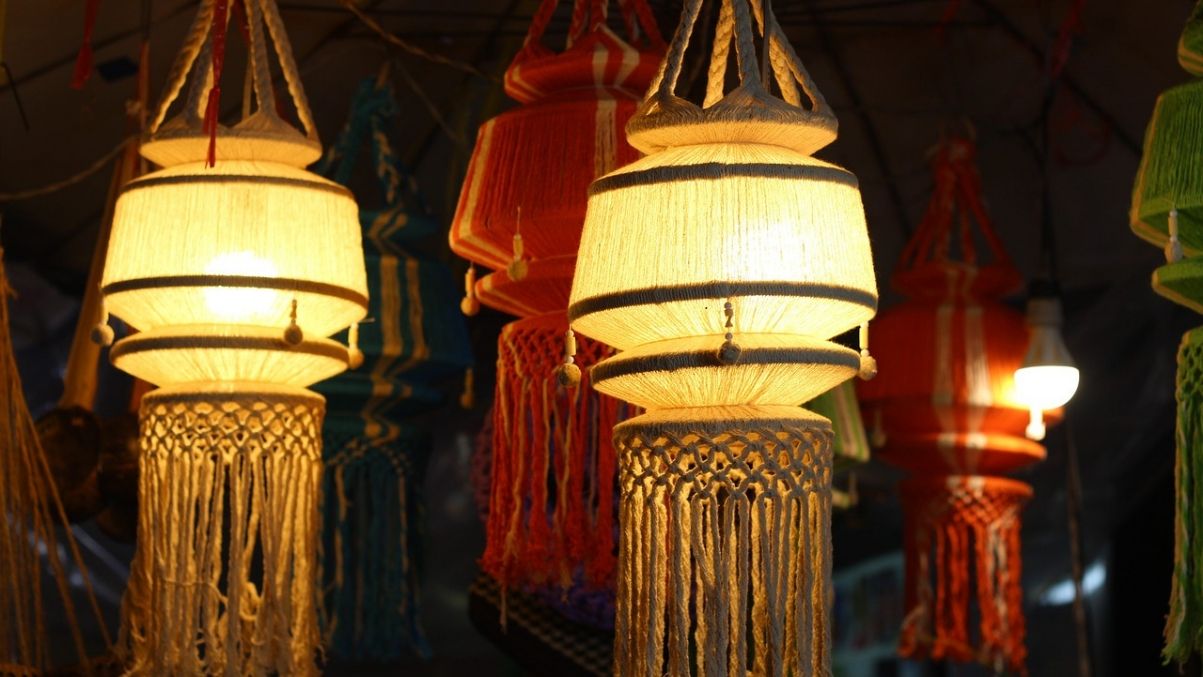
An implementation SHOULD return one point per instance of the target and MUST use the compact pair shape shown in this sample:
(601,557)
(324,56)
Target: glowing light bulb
(240,303)
(1048,378)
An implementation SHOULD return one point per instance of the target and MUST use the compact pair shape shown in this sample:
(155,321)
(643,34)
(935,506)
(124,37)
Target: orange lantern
(945,400)
(520,213)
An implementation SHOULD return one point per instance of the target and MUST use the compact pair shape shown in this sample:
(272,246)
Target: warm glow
(1046,387)
(236,304)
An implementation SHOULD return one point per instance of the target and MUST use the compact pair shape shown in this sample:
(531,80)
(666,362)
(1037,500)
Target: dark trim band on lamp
(718,291)
(719,170)
(240,179)
(139,344)
(616,367)
(237,281)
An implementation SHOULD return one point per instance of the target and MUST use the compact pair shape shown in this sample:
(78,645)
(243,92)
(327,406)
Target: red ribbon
(83,62)
(212,108)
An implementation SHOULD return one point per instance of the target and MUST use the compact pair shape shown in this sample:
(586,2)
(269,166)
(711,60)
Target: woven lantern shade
(1167,210)
(234,275)
(720,265)
(949,411)
(551,523)
(375,458)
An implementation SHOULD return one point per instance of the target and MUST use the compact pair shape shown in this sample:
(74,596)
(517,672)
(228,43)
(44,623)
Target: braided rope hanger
(799,117)
(202,55)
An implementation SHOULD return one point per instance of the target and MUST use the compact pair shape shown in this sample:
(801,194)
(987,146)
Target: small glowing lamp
(1048,378)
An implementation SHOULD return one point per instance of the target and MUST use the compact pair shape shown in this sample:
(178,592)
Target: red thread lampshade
(946,401)
(532,165)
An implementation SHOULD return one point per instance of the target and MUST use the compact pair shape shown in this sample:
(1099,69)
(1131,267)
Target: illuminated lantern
(720,265)
(948,407)
(1167,210)
(375,452)
(521,209)
(234,276)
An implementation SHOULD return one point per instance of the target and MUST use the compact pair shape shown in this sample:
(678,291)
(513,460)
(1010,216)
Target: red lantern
(945,400)
(520,212)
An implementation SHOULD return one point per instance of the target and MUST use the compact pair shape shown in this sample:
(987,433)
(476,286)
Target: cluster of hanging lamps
(949,410)
(720,265)
(375,451)
(1167,210)
(551,512)
(234,265)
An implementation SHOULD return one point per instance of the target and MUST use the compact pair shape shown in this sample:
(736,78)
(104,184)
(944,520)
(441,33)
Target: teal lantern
(375,456)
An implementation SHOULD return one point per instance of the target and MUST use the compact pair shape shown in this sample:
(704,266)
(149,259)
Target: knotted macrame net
(727,570)
(962,542)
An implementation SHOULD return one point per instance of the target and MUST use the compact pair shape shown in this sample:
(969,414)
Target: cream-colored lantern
(721,265)
(234,274)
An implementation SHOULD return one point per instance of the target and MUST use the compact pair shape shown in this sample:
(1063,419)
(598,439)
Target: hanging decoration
(951,417)
(720,265)
(30,538)
(551,519)
(375,454)
(233,276)
(1167,210)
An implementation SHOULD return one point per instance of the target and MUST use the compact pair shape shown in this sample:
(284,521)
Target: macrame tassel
(102,333)
(725,550)
(370,569)
(568,375)
(1173,247)
(354,354)
(868,365)
(517,268)
(962,541)
(467,398)
(83,62)
(551,510)
(223,581)
(213,105)
(470,305)
(1184,625)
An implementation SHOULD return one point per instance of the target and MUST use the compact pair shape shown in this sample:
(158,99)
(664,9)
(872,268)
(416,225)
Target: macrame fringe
(725,552)
(223,580)
(370,575)
(962,541)
(1184,625)
(551,510)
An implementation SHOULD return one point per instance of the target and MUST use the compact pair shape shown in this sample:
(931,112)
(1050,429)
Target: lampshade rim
(670,362)
(239,282)
(195,179)
(721,419)
(718,290)
(140,344)
(711,171)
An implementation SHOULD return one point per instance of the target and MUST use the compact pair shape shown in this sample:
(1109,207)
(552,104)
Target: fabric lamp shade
(721,265)
(949,411)
(523,199)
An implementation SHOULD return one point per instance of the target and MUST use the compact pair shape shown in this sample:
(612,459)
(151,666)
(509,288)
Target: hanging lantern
(720,265)
(375,458)
(1167,210)
(233,275)
(951,416)
(521,209)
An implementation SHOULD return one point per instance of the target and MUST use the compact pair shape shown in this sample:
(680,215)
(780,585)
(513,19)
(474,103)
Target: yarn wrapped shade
(1190,44)
(544,289)
(576,104)
(1170,175)
(241,246)
(671,237)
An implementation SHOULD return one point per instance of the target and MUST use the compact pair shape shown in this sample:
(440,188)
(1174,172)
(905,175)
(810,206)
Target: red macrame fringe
(83,62)
(963,538)
(551,509)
